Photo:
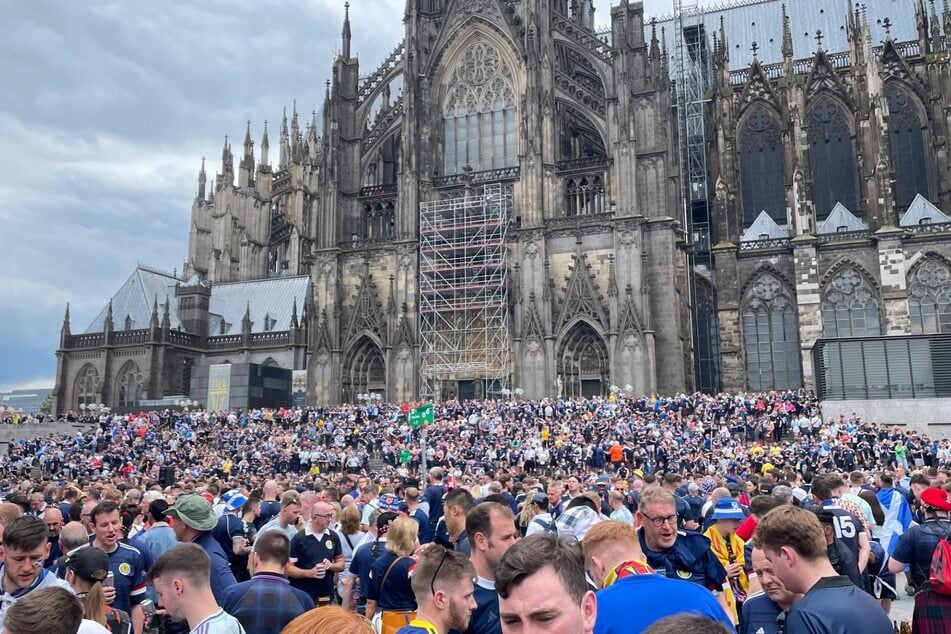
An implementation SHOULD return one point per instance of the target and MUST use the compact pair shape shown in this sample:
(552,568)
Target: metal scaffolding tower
(463,295)
(693,80)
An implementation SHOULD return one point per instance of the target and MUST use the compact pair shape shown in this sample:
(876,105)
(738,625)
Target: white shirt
(91,627)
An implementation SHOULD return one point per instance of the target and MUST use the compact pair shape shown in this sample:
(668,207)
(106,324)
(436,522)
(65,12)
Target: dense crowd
(743,512)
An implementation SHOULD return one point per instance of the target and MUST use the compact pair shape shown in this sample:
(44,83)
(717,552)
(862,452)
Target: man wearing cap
(915,549)
(193,519)
(315,556)
(542,521)
(232,533)
(366,553)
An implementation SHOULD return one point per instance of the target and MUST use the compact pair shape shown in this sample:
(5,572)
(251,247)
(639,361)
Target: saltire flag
(898,517)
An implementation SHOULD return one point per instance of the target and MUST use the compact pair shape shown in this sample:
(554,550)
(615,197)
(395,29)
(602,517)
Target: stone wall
(930,416)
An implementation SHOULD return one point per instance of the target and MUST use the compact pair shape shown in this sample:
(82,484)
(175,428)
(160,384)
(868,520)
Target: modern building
(26,401)
(514,201)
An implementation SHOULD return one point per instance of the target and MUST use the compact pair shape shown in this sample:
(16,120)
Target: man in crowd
(457,505)
(760,610)
(619,511)
(267,602)
(433,498)
(490,527)
(159,536)
(193,519)
(25,548)
(682,555)
(849,527)
(287,519)
(442,584)
(232,533)
(270,506)
(632,596)
(315,556)
(541,586)
(793,542)
(126,562)
(915,550)
(53,518)
(181,579)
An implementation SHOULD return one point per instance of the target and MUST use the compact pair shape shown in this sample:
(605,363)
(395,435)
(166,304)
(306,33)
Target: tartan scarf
(627,569)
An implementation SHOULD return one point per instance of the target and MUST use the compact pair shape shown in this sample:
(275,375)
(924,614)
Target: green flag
(419,416)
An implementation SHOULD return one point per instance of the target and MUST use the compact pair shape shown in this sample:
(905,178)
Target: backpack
(939,576)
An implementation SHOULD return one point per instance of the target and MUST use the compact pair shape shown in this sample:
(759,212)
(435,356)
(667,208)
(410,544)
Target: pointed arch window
(929,298)
(771,336)
(129,384)
(832,158)
(849,307)
(583,364)
(364,370)
(762,167)
(906,147)
(87,386)
(584,195)
(479,112)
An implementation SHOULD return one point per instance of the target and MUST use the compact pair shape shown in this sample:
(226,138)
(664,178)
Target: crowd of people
(723,513)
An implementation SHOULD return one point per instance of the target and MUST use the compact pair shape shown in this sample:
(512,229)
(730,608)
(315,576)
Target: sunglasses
(432,582)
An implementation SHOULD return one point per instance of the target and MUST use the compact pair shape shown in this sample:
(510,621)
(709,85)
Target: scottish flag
(897,517)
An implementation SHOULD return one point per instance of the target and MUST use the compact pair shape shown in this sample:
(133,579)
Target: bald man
(316,555)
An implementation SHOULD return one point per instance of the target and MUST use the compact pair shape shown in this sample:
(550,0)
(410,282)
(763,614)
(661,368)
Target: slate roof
(764,228)
(271,302)
(841,217)
(920,209)
(271,298)
(134,299)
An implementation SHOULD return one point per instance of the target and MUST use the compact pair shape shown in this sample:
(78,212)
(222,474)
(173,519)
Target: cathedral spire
(787,37)
(65,328)
(202,180)
(166,317)
(248,143)
(264,145)
(285,142)
(345,33)
(294,323)
(655,45)
(108,325)
(153,319)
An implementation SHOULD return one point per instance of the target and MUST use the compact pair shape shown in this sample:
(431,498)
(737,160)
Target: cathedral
(515,202)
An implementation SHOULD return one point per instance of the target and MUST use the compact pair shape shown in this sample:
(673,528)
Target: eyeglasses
(432,582)
(660,521)
(326,516)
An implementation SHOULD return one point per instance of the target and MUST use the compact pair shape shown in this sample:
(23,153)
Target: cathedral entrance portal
(583,366)
(364,371)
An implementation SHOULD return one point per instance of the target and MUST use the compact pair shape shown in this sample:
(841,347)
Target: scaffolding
(693,80)
(463,295)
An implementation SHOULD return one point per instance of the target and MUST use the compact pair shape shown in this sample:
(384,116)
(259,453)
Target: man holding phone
(316,555)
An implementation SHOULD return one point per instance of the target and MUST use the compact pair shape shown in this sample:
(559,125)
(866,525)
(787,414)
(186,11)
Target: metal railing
(768,243)
(487,176)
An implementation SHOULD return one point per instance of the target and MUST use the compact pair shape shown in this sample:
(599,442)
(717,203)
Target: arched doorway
(364,371)
(583,366)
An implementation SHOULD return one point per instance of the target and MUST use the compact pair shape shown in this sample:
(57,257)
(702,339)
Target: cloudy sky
(106,111)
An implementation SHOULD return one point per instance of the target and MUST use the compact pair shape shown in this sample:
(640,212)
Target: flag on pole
(422,415)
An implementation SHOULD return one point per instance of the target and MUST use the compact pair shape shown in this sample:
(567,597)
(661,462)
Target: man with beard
(442,584)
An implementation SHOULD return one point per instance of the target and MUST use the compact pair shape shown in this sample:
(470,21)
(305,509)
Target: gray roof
(921,211)
(841,217)
(764,228)
(271,302)
(271,298)
(760,21)
(134,299)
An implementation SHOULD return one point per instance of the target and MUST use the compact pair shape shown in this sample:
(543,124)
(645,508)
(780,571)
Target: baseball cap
(540,498)
(384,520)
(88,562)
(194,511)
(388,502)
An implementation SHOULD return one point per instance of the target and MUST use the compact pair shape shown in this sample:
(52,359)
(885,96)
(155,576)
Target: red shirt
(747,528)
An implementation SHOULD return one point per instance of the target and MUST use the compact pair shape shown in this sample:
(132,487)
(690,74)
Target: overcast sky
(106,111)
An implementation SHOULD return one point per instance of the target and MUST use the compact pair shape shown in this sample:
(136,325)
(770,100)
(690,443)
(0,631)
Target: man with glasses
(442,584)
(676,554)
(316,554)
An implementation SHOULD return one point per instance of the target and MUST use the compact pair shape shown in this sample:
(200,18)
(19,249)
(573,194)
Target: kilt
(932,613)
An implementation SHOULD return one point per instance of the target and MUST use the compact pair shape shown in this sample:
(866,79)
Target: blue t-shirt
(633,604)
(485,618)
(396,594)
(128,565)
(835,605)
(759,615)
(360,565)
